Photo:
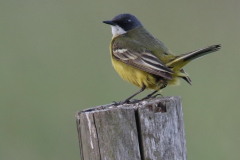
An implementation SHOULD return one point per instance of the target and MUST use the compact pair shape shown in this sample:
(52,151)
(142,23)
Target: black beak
(110,23)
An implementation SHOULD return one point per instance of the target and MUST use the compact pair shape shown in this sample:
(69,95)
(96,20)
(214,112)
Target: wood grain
(162,134)
(148,130)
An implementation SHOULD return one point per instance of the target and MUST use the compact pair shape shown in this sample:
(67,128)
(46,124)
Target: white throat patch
(116,30)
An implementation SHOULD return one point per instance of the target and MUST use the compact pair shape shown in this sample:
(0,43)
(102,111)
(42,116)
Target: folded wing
(142,59)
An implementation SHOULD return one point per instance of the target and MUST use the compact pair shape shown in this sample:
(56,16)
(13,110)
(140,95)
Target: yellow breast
(134,75)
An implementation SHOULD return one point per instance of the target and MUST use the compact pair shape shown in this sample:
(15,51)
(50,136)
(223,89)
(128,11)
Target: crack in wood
(97,136)
(139,134)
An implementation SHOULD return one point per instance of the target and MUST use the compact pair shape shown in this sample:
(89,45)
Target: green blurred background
(54,61)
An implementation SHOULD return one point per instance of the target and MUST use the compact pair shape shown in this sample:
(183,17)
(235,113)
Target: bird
(145,61)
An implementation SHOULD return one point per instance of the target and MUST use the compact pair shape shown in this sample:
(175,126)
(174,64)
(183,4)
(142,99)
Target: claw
(126,102)
(120,103)
(116,103)
(135,101)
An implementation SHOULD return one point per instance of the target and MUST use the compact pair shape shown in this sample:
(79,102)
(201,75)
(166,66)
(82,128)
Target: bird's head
(123,23)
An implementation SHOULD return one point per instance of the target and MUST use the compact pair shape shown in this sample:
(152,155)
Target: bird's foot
(154,96)
(120,103)
(151,96)
(126,102)
(134,101)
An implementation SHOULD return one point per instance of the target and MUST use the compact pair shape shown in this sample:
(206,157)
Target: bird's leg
(151,94)
(127,100)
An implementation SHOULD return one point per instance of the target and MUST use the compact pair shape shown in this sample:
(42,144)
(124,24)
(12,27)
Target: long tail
(182,60)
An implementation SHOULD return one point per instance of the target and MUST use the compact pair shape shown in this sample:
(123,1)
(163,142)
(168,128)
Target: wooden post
(148,130)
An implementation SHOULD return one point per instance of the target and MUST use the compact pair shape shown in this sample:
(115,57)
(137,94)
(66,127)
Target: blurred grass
(55,61)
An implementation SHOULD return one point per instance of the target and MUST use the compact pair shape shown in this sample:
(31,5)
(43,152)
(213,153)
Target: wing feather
(143,60)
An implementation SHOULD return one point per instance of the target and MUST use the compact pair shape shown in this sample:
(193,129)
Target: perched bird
(145,61)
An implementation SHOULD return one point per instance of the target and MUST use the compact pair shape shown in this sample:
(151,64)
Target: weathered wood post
(148,130)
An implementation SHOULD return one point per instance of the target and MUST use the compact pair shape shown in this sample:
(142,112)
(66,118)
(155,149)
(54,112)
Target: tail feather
(200,52)
(179,61)
(187,57)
